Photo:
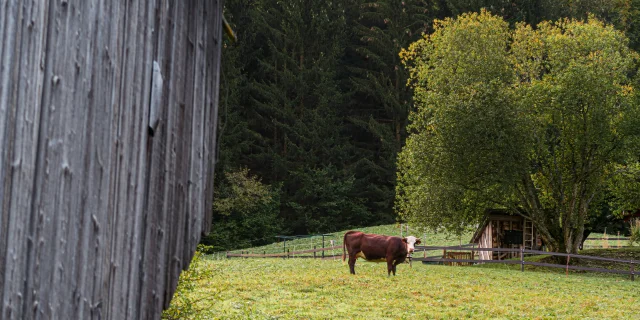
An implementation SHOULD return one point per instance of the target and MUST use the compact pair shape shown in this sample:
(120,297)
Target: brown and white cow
(377,248)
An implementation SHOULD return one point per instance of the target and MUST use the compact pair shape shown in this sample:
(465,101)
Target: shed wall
(486,242)
(99,216)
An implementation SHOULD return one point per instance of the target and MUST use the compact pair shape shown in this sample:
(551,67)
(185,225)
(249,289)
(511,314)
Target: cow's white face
(411,241)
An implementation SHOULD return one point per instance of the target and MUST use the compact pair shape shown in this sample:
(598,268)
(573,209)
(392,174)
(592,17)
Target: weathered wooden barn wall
(99,215)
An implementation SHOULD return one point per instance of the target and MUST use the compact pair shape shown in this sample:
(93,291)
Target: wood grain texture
(99,217)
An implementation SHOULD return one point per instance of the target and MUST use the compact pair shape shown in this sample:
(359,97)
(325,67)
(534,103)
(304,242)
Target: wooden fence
(108,116)
(607,243)
(445,258)
(310,253)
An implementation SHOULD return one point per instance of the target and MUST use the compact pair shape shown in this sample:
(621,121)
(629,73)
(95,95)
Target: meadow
(216,288)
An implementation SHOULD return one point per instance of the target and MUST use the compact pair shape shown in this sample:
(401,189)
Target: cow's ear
(418,241)
(404,240)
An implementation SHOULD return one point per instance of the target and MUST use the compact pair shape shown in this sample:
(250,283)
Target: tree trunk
(563,237)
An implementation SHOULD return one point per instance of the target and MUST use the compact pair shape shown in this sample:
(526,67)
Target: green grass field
(316,289)
(217,288)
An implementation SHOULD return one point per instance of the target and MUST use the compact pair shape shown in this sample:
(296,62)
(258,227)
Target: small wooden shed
(500,229)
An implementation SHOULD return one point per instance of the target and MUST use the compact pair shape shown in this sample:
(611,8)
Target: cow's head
(411,241)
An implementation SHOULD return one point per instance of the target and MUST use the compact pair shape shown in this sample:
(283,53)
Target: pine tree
(287,123)
(380,100)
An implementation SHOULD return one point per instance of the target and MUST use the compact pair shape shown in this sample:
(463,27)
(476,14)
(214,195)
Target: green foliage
(242,195)
(245,212)
(623,14)
(324,200)
(285,123)
(185,304)
(314,94)
(625,185)
(379,100)
(466,130)
(634,226)
(529,120)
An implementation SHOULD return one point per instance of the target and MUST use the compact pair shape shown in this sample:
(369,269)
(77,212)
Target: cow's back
(375,247)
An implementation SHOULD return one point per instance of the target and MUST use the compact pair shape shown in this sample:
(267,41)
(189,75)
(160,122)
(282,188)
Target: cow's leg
(390,268)
(352,263)
(395,265)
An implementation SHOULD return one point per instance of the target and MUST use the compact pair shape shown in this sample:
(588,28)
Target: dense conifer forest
(315,105)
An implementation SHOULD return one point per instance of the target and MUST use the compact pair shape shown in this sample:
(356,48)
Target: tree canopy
(529,119)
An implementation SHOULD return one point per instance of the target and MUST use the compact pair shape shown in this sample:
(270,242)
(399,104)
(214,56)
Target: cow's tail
(344,244)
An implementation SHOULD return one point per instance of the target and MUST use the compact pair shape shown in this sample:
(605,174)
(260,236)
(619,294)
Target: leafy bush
(635,231)
(184,302)
(245,212)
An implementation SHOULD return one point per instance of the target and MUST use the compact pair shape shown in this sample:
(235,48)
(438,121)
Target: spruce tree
(380,100)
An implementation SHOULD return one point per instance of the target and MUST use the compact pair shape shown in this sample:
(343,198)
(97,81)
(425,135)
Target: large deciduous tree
(532,120)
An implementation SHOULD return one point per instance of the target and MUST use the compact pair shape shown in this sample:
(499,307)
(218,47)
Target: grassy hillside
(431,239)
(216,288)
(316,289)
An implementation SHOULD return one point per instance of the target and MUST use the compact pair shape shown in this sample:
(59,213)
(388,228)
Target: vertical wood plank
(93,206)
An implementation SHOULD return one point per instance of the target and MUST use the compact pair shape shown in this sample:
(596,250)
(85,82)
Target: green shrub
(245,212)
(635,231)
(184,302)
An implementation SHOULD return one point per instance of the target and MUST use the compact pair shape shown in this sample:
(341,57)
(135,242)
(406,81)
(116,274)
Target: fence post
(314,252)
(227,255)
(521,259)
(633,278)
(473,252)
(287,253)
(264,253)
(567,270)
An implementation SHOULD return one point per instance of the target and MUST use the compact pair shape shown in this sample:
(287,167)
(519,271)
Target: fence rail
(288,254)
(446,259)
(469,251)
